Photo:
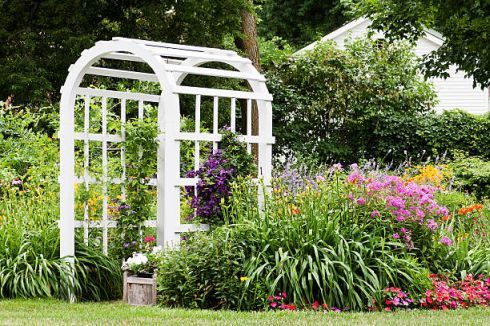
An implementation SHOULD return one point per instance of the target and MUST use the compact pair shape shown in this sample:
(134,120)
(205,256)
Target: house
(453,92)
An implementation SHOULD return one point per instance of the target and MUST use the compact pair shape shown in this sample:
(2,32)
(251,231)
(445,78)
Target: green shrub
(366,102)
(207,272)
(329,103)
(472,174)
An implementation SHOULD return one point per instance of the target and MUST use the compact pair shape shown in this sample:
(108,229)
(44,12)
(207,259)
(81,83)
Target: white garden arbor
(170,64)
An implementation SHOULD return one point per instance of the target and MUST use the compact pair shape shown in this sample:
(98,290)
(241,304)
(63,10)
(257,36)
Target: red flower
(149,239)
(315,305)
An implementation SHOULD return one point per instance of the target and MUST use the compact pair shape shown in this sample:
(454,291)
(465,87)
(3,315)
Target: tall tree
(40,39)
(299,21)
(249,44)
(464,24)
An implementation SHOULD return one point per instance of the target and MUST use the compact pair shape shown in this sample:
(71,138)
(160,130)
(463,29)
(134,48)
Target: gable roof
(430,34)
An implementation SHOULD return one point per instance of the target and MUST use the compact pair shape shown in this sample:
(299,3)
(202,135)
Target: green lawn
(50,312)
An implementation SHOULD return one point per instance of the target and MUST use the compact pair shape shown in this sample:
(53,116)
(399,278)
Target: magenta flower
(355,177)
(361,201)
(396,236)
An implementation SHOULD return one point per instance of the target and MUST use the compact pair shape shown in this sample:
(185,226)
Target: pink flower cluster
(403,201)
(462,294)
(395,298)
(277,302)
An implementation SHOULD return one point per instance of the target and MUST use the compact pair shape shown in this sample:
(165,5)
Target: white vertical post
(265,149)
(197,153)
(86,157)
(104,175)
(233,114)
(67,175)
(168,203)
(215,120)
(141,112)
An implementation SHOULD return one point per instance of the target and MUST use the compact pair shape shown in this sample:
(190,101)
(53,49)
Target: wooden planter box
(139,291)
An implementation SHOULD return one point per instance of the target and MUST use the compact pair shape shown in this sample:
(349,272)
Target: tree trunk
(250,46)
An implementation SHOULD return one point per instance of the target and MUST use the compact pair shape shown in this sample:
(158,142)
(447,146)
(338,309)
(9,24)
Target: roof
(430,34)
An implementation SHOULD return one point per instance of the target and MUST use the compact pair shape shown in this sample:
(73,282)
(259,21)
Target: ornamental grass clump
(317,245)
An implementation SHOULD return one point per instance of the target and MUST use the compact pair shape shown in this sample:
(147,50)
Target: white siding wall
(453,92)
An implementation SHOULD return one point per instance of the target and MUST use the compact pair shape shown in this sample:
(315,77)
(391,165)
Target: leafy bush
(207,272)
(366,102)
(472,174)
(330,103)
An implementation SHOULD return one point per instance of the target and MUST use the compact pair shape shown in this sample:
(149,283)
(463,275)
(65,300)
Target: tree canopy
(40,39)
(464,24)
(299,21)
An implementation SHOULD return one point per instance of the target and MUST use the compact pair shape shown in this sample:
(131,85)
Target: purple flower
(442,211)
(337,167)
(126,245)
(395,202)
(335,309)
(361,201)
(446,241)
(432,225)
(375,213)
(123,207)
(396,236)
(16,182)
(403,230)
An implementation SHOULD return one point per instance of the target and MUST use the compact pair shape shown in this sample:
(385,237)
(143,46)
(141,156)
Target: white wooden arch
(170,63)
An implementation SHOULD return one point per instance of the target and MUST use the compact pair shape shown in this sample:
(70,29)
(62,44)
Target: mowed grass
(51,312)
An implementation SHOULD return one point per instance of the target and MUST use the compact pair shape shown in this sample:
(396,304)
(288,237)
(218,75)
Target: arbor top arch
(170,64)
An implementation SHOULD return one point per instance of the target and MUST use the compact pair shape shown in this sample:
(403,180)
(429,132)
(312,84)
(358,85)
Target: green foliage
(140,149)
(30,265)
(464,24)
(274,52)
(472,174)
(331,103)
(40,40)
(299,22)
(205,273)
(236,156)
(26,155)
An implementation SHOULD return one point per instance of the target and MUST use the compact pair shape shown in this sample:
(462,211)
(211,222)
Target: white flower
(136,262)
(156,249)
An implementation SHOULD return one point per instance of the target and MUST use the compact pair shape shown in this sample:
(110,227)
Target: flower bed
(361,239)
